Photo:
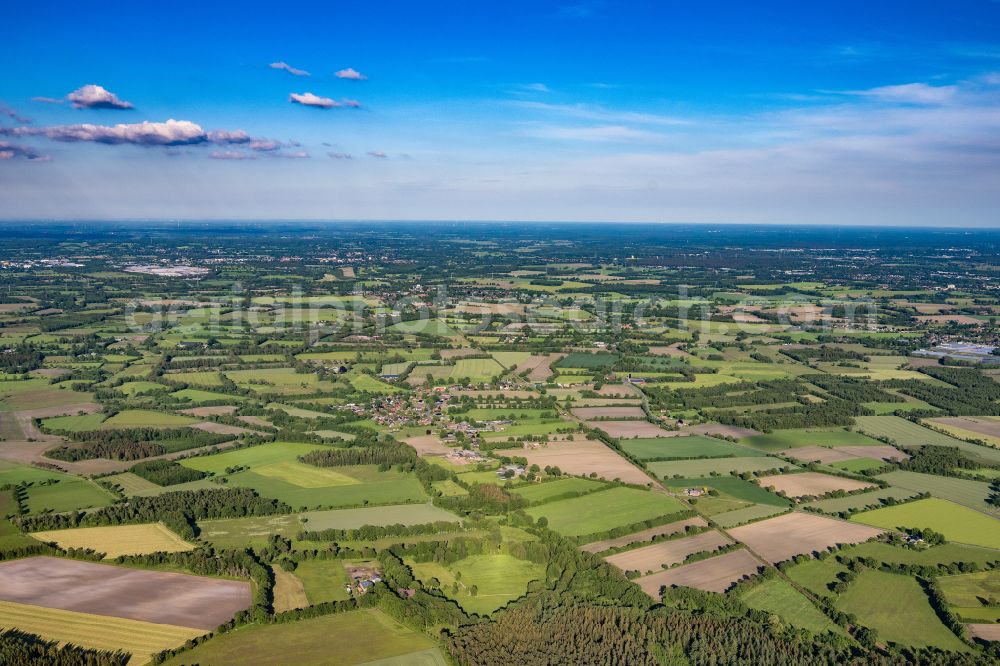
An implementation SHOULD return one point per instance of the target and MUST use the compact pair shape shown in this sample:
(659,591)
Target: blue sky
(763,112)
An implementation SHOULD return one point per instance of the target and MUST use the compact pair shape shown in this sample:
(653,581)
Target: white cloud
(309,99)
(11,151)
(350,74)
(93,96)
(231,155)
(169,133)
(341,156)
(377,154)
(593,133)
(587,112)
(294,154)
(288,68)
(226,136)
(910,93)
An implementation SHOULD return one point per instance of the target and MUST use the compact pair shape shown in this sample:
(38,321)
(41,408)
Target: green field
(586,360)
(852,502)
(732,486)
(972,590)
(907,433)
(781,599)
(973,494)
(253,456)
(243,532)
(449,488)
(739,516)
(305,476)
(947,553)
(323,580)
(605,510)
(437,327)
(898,609)
(499,578)
(13,474)
(80,423)
(543,492)
(955,522)
(142,418)
(10,535)
(475,369)
(197,396)
(693,446)
(67,495)
(403,514)
(816,575)
(706,466)
(370,487)
(859,464)
(789,439)
(345,638)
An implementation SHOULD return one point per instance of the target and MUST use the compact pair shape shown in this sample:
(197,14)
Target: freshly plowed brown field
(781,538)
(716,574)
(152,596)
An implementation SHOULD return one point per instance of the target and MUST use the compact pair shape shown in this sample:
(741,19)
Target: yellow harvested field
(141,639)
(289,593)
(811,483)
(115,540)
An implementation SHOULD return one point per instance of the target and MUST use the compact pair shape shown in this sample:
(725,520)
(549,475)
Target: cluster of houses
(399,412)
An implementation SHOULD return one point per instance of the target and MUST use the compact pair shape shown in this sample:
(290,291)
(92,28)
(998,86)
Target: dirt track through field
(152,596)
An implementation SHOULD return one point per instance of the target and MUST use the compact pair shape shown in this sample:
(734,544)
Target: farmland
(498,579)
(140,639)
(118,540)
(811,483)
(955,521)
(604,416)
(781,538)
(318,641)
(605,510)
(101,589)
(780,598)
(691,446)
(667,553)
(585,457)
(898,610)
(716,574)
